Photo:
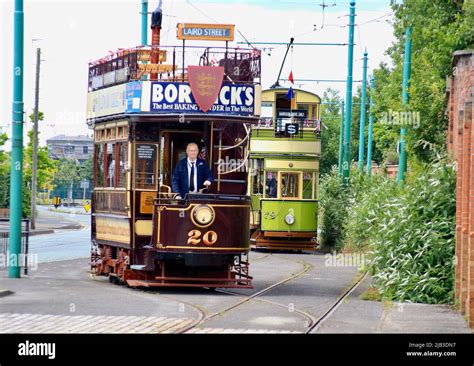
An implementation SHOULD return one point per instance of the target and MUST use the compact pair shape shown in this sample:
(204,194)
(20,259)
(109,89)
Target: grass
(371,294)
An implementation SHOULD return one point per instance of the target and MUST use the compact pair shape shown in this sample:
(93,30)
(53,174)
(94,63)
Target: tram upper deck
(125,83)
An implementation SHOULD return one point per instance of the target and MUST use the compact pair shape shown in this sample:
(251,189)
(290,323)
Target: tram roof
(317,98)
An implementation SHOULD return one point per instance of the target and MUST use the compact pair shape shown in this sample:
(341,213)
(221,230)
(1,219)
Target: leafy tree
(86,170)
(46,167)
(330,117)
(4,172)
(440,27)
(67,172)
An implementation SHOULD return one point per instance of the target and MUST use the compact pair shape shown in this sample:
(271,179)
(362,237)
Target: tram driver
(191,173)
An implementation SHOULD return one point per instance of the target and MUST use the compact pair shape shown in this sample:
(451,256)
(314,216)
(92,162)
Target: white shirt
(195,174)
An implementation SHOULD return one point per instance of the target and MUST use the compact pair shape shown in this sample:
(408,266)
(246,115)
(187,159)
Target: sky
(71,33)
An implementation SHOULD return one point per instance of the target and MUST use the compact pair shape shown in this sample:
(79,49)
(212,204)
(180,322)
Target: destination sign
(206,32)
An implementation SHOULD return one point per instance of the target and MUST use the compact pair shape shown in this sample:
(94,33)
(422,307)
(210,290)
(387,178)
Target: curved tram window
(309,179)
(257,176)
(106,174)
(110,159)
(290,185)
(146,166)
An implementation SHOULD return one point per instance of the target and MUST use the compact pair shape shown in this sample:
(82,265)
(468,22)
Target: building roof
(64,138)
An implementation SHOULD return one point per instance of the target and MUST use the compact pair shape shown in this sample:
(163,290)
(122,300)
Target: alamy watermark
(345,260)
(229,165)
(401,118)
(19,260)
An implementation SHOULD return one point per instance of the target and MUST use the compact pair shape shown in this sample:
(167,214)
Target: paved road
(62,244)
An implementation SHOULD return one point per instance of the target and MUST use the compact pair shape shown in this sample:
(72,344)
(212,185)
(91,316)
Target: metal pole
(144,22)
(347,125)
(362,114)
(341,139)
(16,177)
(402,165)
(371,126)
(27,238)
(35,143)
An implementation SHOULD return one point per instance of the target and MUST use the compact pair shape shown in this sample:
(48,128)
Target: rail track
(312,323)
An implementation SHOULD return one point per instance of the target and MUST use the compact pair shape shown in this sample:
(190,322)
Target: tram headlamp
(290,219)
(203,215)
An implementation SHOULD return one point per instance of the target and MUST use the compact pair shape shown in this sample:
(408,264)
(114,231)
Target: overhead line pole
(402,165)
(363,112)
(16,173)
(371,126)
(348,116)
(34,180)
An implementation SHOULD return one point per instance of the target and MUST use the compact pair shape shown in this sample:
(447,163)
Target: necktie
(191,179)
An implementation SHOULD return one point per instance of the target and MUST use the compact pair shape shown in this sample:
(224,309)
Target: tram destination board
(206,32)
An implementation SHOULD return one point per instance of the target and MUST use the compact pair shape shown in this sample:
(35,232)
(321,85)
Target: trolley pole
(402,164)
(16,175)
(341,139)
(35,143)
(144,22)
(347,125)
(371,126)
(363,114)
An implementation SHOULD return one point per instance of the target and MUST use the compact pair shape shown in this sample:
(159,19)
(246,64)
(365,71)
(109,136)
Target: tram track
(255,296)
(312,323)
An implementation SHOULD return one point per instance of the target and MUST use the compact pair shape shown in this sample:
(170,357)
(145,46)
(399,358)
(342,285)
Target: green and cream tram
(285,149)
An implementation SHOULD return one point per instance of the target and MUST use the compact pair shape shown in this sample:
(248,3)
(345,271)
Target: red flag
(291,77)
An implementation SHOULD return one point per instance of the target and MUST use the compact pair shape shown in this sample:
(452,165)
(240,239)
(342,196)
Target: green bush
(333,212)
(412,243)
(368,196)
(408,232)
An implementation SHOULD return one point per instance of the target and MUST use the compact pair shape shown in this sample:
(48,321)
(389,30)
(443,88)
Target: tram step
(138,267)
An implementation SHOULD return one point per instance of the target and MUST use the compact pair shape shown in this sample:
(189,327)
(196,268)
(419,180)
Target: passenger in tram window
(271,186)
(112,173)
(191,173)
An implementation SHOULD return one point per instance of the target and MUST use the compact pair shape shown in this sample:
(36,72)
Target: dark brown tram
(144,111)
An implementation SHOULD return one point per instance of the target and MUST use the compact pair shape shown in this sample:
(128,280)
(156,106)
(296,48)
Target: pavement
(50,220)
(393,317)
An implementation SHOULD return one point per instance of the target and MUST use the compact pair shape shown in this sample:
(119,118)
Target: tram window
(271,184)
(290,185)
(110,165)
(308,183)
(145,166)
(257,176)
(123,158)
(99,173)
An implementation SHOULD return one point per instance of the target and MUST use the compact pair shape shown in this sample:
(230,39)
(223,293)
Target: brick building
(460,140)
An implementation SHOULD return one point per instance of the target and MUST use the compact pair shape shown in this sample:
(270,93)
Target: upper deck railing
(241,66)
(280,127)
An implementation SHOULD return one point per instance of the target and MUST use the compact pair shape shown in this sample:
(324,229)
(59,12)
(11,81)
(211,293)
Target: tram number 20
(195,237)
